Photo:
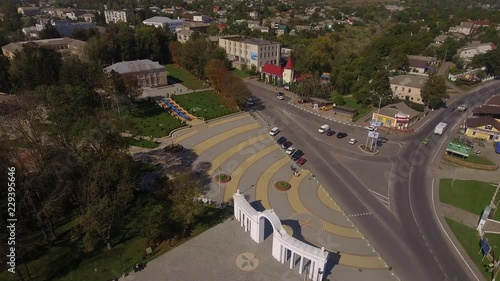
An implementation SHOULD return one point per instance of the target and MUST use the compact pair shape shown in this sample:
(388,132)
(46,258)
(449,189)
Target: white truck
(440,128)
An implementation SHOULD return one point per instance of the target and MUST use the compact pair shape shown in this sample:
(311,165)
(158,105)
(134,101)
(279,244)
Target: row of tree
(231,88)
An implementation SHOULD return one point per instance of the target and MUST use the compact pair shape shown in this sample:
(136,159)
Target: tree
(490,59)
(105,193)
(434,91)
(80,74)
(154,224)
(184,187)
(34,66)
(5,85)
(213,29)
(12,19)
(49,32)
(380,88)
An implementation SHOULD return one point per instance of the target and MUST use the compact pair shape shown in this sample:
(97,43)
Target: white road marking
(446,233)
(378,194)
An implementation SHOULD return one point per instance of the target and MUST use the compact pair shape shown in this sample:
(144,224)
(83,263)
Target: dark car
(297,155)
(281,140)
(341,135)
(330,133)
(286,144)
(301,161)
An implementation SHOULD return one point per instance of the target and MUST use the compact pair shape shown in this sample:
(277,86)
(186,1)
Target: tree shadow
(201,172)
(257,205)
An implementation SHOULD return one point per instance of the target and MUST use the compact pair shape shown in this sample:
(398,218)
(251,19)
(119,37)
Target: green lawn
(469,239)
(66,261)
(184,77)
(149,119)
(203,104)
(142,143)
(467,195)
(478,159)
(362,110)
(240,73)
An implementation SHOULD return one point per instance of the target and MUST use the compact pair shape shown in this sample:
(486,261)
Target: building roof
(409,81)
(392,110)
(467,24)
(344,109)
(494,100)
(289,63)
(441,37)
(134,66)
(254,41)
(17,46)
(420,61)
(482,121)
(273,69)
(160,20)
(487,109)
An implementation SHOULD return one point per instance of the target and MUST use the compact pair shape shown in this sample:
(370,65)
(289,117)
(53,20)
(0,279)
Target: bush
(338,100)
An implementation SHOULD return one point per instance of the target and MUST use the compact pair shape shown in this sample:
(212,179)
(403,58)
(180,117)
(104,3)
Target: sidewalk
(459,215)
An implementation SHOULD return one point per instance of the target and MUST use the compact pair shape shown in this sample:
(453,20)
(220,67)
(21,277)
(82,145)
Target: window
(488,127)
(409,90)
(474,133)
(403,89)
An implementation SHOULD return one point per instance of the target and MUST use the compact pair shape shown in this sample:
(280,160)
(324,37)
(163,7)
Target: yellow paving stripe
(227,120)
(217,162)
(210,125)
(325,198)
(208,143)
(294,200)
(232,185)
(264,182)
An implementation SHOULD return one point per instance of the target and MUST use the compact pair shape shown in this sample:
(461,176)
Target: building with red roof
(282,75)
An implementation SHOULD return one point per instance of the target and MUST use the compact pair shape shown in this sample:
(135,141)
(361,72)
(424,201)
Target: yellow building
(484,127)
(398,116)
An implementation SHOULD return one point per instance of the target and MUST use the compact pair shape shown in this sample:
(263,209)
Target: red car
(301,161)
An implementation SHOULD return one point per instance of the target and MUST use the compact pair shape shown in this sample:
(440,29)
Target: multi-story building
(148,73)
(66,28)
(65,46)
(251,51)
(116,16)
(408,87)
(164,22)
(201,18)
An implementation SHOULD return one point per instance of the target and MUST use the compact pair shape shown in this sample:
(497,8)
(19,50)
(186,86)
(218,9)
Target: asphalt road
(408,235)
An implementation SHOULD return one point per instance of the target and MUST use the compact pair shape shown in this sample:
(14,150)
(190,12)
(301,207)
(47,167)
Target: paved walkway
(459,215)
(241,147)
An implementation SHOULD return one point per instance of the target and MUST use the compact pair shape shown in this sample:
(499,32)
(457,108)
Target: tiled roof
(494,100)
(272,69)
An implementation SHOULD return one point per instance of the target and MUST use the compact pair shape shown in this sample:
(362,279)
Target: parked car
(352,141)
(324,129)
(286,144)
(371,128)
(297,155)
(274,131)
(280,96)
(281,140)
(250,101)
(330,133)
(290,150)
(341,135)
(463,107)
(301,161)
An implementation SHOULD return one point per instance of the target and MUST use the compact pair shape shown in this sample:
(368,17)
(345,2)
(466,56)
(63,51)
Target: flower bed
(222,178)
(282,186)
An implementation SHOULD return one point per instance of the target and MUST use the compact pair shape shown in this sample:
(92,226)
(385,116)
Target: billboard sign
(253,56)
(373,134)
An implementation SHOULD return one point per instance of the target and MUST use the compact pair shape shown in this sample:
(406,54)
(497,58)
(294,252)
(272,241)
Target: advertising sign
(253,56)
(373,135)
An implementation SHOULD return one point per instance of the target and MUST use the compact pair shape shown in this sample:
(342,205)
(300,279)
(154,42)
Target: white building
(469,52)
(164,22)
(250,51)
(116,16)
(464,28)
(408,87)
(254,14)
(201,18)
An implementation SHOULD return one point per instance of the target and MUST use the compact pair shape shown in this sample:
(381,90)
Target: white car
(371,128)
(274,131)
(353,141)
(280,96)
(290,150)
(324,129)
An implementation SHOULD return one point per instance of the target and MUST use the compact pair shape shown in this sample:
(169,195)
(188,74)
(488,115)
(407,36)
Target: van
(324,129)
